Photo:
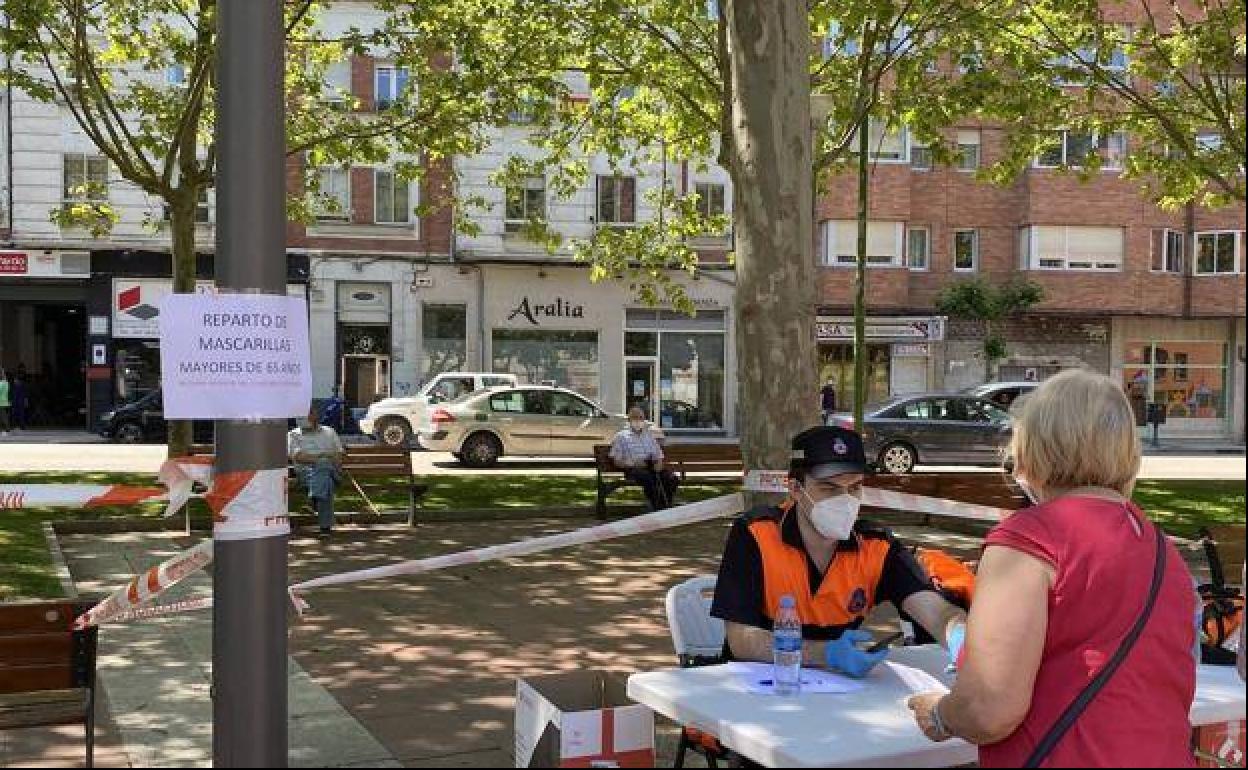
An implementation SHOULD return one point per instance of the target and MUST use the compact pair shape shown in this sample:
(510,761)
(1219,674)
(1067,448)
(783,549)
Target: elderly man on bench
(635,451)
(317,454)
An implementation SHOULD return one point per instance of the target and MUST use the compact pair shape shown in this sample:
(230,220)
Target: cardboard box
(1221,744)
(581,719)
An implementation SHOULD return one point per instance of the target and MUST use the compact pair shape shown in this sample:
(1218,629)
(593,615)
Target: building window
(617,200)
(968,149)
(1073,248)
(920,156)
(444,334)
(390,83)
(710,199)
(840,237)
(526,202)
(203,209)
(918,247)
(1189,378)
(965,250)
(1167,251)
(85,178)
(567,358)
(334,204)
(689,354)
(1072,149)
(884,144)
(337,82)
(1217,253)
(175,75)
(393,199)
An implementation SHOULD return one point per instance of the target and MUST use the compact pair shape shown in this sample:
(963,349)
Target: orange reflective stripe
(947,573)
(847,592)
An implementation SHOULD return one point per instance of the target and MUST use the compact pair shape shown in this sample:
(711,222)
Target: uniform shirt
(323,441)
(739,592)
(632,450)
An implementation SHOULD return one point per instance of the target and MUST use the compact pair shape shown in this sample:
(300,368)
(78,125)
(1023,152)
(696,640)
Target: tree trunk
(771,169)
(182,206)
(860,279)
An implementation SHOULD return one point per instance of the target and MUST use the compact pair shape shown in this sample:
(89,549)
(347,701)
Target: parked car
(939,429)
(397,420)
(527,420)
(143,419)
(1003,394)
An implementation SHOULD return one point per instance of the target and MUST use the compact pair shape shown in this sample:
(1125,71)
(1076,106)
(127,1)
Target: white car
(524,420)
(396,421)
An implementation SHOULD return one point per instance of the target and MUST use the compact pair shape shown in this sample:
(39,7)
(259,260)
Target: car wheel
(394,432)
(898,458)
(129,433)
(481,450)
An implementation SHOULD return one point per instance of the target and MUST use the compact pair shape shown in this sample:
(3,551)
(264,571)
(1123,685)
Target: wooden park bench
(718,464)
(47,670)
(369,463)
(996,490)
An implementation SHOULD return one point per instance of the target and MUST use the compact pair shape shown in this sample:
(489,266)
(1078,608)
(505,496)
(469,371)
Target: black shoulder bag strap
(1077,707)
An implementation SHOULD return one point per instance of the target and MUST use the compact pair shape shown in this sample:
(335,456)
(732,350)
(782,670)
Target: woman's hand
(924,706)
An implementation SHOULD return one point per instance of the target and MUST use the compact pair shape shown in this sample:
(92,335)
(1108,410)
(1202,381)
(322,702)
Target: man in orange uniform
(813,548)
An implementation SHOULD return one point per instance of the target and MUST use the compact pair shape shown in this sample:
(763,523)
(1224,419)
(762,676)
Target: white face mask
(834,517)
(637,425)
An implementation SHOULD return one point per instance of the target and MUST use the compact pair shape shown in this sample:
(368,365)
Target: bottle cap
(788,602)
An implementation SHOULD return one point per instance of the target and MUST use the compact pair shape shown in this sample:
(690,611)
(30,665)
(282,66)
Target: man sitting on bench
(317,455)
(635,451)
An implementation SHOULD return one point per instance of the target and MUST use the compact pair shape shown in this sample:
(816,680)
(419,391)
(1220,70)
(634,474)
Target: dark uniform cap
(828,450)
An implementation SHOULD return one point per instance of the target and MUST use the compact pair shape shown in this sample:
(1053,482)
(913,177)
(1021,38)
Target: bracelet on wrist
(938,724)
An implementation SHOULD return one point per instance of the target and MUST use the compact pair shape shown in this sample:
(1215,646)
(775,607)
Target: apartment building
(1150,297)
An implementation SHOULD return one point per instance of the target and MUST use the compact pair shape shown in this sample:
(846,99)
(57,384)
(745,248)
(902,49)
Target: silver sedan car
(529,420)
(934,429)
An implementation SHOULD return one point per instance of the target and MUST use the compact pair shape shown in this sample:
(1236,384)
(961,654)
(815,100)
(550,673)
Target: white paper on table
(915,680)
(759,679)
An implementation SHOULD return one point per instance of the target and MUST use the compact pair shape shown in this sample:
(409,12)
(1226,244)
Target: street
(146,458)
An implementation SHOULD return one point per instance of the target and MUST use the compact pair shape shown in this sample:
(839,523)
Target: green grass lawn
(26,570)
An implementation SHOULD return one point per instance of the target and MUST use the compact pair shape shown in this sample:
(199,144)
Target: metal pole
(249,576)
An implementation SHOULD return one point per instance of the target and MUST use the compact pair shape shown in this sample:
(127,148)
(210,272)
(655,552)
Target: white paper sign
(234,356)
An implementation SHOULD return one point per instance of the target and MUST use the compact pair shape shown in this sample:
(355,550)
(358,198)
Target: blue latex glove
(844,657)
(955,638)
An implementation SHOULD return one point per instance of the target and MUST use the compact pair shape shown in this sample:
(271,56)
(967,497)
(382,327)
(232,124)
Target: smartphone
(885,642)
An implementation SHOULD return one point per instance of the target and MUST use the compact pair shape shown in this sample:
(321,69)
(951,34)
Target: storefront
(43,336)
(901,355)
(552,325)
(1190,367)
(122,327)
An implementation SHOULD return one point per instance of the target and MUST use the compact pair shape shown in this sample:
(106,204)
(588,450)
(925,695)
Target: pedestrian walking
(19,395)
(1083,608)
(4,402)
(827,401)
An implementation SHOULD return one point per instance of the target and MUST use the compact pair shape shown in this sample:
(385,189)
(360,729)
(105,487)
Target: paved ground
(156,676)
(147,459)
(427,666)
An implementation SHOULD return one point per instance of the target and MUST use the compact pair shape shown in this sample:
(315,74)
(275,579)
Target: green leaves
(979,300)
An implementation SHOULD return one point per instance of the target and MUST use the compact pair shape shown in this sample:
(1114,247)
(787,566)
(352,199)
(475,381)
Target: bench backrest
(685,458)
(39,650)
(361,461)
(997,490)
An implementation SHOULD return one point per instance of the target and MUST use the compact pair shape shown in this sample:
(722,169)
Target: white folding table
(868,728)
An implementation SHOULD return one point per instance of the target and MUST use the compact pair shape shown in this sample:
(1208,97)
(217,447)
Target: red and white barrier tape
(75,495)
(160,610)
(692,513)
(146,587)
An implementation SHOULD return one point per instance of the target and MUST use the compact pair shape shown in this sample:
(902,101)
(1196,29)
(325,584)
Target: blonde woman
(1078,647)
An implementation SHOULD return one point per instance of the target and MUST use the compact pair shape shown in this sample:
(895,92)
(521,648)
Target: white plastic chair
(699,640)
(698,637)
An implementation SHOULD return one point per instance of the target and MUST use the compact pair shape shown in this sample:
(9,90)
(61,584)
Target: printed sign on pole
(234,356)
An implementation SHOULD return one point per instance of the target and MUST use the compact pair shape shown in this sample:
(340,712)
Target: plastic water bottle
(1198,621)
(786,645)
